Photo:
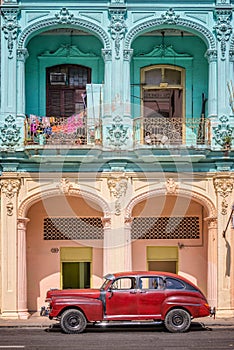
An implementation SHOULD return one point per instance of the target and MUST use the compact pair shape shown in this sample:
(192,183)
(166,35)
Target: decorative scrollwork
(223,186)
(171,17)
(223,28)
(10,187)
(222,130)
(117,184)
(68,18)
(10,28)
(64,17)
(117,28)
(9,132)
(117,132)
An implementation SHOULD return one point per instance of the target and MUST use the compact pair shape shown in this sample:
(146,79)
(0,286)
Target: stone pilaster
(22,269)
(212,263)
(224,187)
(10,185)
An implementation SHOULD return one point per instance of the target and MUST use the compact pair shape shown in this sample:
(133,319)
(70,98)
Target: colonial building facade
(116,129)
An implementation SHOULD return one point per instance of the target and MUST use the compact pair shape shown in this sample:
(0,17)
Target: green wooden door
(76,275)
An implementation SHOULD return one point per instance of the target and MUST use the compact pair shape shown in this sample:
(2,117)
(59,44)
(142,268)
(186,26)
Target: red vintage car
(129,297)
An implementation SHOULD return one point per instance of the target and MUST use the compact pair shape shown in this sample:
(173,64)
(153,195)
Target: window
(163,91)
(151,283)
(124,283)
(172,283)
(66,89)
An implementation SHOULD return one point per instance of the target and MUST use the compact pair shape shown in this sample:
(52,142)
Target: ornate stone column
(22,269)
(117,236)
(9,31)
(212,261)
(212,101)
(223,185)
(117,30)
(107,56)
(127,55)
(223,31)
(10,185)
(21,58)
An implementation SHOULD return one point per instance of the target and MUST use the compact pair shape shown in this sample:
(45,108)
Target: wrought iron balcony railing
(77,131)
(72,131)
(171,131)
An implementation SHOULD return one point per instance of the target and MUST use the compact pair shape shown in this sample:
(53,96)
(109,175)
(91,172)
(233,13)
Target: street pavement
(37,321)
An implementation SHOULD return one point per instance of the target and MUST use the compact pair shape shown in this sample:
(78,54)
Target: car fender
(191,304)
(92,308)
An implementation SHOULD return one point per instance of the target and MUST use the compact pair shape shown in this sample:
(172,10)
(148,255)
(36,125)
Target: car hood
(86,293)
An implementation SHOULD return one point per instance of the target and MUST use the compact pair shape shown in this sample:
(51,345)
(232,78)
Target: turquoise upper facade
(147,70)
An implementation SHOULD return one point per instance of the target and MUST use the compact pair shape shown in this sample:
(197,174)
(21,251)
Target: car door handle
(143,291)
(132,291)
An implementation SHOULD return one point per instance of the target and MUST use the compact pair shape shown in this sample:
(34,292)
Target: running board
(127,323)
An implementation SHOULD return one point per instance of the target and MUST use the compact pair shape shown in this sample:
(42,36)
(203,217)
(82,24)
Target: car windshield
(104,284)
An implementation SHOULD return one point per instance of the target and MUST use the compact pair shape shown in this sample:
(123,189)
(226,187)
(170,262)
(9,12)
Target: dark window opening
(66,90)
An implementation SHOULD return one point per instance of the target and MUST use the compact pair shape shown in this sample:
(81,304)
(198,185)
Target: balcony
(161,131)
(53,131)
(78,131)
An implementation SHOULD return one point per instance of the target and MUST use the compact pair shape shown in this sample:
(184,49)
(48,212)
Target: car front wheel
(73,321)
(177,321)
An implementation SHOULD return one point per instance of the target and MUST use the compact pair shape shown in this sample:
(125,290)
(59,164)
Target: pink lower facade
(69,233)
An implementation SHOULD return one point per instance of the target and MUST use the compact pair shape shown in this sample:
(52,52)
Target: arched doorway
(168,233)
(64,246)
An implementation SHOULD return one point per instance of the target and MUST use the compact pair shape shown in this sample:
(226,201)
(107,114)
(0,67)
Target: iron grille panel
(72,228)
(165,228)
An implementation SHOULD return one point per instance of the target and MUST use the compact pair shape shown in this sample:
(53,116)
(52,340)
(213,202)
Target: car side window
(151,283)
(172,283)
(124,283)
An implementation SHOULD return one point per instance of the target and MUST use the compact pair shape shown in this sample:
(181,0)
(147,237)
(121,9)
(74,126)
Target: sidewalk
(38,321)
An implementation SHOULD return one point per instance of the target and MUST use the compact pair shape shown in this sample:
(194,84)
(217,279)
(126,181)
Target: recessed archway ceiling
(167,32)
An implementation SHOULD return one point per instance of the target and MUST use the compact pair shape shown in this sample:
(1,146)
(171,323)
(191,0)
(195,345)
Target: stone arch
(197,197)
(171,20)
(66,20)
(76,192)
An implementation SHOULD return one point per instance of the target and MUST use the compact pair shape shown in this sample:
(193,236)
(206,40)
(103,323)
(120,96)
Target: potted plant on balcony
(227,144)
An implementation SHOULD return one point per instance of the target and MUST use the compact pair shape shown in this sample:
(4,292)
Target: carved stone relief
(117,184)
(223,186)
(10,188)
(10,28)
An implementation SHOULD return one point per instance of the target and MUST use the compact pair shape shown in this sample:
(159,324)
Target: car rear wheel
(177,321)
(73,321)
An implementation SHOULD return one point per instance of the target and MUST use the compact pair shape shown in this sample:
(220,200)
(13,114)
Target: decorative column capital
(128,221)
(127,55)
(212,222)
(22,223)
(107,54)
(22,54)
(211,55)
(106,222)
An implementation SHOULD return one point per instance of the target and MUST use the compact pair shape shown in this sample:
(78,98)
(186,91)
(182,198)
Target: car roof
(148,273)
